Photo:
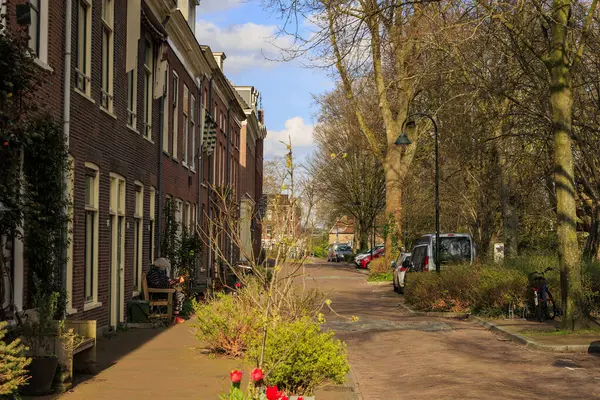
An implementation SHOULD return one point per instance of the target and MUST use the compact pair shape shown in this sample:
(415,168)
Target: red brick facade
(104,141)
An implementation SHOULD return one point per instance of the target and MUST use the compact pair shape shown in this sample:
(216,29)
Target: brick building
(253,134)
(151,119)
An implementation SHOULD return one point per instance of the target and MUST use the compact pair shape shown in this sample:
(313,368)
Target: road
(395,355)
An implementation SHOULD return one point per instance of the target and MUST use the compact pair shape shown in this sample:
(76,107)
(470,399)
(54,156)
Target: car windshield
(455,249)
(344,248)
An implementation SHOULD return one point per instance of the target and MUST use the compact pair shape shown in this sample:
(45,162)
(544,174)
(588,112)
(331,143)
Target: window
(166,112)
(192,133)
(138,236)
(107,54)
(186,125)
(148,84)
(71,194)
(84,43)
(35,27)
(188,214)
(132,98)
(91,233)
(152,226)
(179,215)
(175,111)
(117,252)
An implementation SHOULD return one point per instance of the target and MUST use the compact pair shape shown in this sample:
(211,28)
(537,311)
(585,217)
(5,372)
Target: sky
(245,32)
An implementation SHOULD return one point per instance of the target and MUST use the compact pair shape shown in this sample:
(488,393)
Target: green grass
(385,277)
(560,332)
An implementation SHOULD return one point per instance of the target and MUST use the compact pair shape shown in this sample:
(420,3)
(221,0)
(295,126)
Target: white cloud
(246,45)
(210,6)
(300,134)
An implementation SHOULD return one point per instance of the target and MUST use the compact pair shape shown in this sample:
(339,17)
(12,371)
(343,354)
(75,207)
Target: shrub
(13,365)
(226,324)
(483,289)
(349,257)
(379,266)
(299,357)
(383,277)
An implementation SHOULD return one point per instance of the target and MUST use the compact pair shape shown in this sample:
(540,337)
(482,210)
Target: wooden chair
(161,302)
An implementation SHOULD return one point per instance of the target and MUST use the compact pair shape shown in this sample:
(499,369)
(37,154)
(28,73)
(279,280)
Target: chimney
(261,116)
(220,58)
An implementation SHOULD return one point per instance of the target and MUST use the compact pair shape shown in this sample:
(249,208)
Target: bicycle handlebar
(541,273)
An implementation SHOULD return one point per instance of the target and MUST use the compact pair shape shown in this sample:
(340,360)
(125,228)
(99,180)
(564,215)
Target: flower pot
(41,372)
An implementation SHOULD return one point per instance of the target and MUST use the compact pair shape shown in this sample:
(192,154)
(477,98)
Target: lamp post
(403,140)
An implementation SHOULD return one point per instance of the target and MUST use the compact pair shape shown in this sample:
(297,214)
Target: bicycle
(545,308)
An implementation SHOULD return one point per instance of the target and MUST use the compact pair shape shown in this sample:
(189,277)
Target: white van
(455,248)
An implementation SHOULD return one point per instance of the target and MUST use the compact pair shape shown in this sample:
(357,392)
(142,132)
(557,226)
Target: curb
(515,337)
(527,342)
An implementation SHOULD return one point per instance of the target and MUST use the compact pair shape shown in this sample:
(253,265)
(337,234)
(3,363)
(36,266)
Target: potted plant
(39,332)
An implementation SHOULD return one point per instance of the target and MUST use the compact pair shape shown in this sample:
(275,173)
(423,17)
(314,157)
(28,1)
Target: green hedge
(489,289)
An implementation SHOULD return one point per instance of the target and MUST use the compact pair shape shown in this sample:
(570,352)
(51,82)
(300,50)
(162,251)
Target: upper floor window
(38,30)
(192,133)
(166,112)
(107,54)
(84,45)
(186,127)
(175,112)
(148,84)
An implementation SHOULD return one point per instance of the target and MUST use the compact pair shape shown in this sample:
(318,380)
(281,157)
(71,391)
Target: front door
(117,258)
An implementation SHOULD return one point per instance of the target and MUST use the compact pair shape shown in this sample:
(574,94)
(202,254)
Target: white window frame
(192,133)
(83,70)
(132,78)
(148,87)
(39,44)
(93,207)
(138,248)
(166,112)
(175,111)
(152,225)
(186,125)
(188,214)
(107,90)
(179,215)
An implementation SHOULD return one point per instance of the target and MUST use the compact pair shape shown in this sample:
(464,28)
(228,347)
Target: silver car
(337,252)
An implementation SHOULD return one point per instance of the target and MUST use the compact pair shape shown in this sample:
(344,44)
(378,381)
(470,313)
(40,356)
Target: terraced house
(151,121)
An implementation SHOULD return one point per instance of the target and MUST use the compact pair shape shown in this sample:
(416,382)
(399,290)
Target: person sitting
(158,278)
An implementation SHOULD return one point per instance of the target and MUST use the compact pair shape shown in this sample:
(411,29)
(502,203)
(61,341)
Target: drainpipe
(66,128)
(209,191)
(228,178)
(199,167)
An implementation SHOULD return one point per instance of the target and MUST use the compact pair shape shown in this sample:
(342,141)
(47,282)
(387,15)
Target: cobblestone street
(398,356)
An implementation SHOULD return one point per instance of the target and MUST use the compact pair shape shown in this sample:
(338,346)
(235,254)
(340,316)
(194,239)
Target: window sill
(132,129)
(149,139)
(193,170)
(136,293)
(166,152)
(91,306)
(43,65)
(174,158)
(104,110)
(204,185)
(71,311)
(84,95)
(184,164)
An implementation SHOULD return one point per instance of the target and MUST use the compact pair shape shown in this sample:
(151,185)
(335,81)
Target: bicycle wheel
(550,309)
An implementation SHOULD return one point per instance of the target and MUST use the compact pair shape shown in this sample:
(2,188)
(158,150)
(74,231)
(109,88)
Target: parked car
(337,252)
(400,266)
(365,260)
(367,253)
(455,248)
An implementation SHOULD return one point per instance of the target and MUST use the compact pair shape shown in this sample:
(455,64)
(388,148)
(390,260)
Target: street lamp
(403,140)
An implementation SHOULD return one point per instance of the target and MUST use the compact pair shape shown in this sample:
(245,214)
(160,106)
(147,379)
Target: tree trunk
(561,100)
(394,177)
(364,234)
(590,252)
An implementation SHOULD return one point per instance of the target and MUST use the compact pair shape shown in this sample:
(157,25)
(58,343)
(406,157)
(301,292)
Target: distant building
(281,221)
(342,231)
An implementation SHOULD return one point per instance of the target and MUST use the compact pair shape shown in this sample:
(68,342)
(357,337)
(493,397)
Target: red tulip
(300,398)
(236,376)
(257,374)
(238,285)
(284,398)
(273,393)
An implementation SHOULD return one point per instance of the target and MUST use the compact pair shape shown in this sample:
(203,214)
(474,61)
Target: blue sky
(245,32)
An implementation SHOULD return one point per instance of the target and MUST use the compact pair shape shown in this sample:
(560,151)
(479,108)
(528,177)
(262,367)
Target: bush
(383,277)
(13,365)
(349,258)
(299,357)
(226,324)
(378,266)
(465,288)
